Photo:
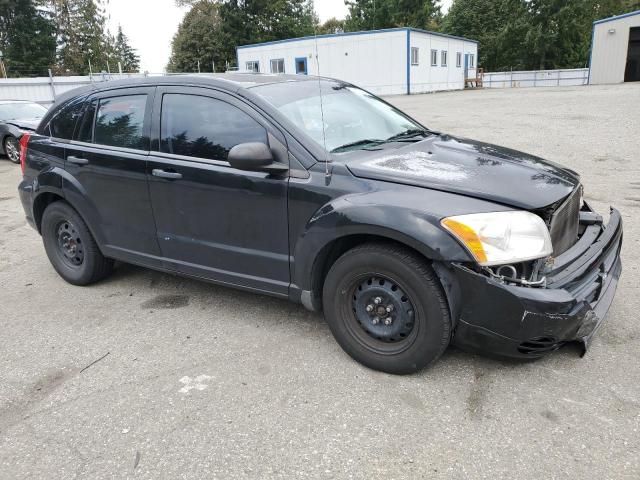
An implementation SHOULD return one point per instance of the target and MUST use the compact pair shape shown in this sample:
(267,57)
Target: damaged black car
(316,191)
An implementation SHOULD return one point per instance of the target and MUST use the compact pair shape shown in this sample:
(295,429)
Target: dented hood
(471,168)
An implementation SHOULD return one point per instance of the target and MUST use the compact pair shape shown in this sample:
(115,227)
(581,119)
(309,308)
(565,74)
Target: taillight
(24,141)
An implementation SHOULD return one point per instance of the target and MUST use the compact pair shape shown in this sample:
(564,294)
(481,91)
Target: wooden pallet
(475,82)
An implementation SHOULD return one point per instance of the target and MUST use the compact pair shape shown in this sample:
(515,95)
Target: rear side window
(204,127)
(64,122)
(120,122)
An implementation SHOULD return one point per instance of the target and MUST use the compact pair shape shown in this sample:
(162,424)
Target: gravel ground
(201,381)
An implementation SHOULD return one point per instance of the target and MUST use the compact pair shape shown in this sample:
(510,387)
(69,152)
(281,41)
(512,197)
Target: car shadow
(166,291)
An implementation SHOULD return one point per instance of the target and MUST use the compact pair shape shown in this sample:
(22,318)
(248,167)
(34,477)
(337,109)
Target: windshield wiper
(411,133)
(359,143)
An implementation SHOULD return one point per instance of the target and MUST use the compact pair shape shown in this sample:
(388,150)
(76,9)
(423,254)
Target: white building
(615,50)
(385,62)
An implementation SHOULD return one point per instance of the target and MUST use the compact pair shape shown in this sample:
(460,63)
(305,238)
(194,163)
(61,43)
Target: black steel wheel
(12,149)
(70,245)
(386,308)
(71,248)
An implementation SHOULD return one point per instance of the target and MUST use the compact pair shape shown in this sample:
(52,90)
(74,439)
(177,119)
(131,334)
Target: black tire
(11,148)
(71,248)
(421,325)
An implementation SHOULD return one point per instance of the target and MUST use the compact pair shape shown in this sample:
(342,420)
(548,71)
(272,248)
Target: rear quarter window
(63,123)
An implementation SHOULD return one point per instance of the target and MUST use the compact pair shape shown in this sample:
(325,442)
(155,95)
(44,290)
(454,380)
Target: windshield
(353,118)
(13,111)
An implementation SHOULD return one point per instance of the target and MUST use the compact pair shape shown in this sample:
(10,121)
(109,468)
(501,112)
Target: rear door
(215,221)
(107,160)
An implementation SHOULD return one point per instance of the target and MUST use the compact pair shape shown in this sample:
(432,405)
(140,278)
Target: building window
(459,59)
(434,58)
(253,66)
(415,54)
(443,58)
(472,60)
(277,65)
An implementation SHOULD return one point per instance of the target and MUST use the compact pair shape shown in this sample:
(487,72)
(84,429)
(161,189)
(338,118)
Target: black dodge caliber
(317,191)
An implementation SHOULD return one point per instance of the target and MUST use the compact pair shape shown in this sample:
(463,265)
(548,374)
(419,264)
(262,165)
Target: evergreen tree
(27,38)
(377,14)
(124,53)
(198,39)
(212,29)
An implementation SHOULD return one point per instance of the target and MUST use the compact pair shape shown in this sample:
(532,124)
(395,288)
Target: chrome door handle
(165,174)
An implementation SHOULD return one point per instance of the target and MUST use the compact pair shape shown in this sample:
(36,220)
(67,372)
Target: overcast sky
(151,24)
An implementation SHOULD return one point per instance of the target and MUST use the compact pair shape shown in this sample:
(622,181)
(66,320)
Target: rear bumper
(25,190)
(522,322)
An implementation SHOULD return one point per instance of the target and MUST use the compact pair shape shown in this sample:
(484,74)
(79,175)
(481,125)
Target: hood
(471,168)
(25,123)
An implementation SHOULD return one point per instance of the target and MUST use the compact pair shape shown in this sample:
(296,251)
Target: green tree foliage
(123,53)
(333,25)
(377,14)
(212,29)
(83,39)
(27,38)
(198,39)
(531,34)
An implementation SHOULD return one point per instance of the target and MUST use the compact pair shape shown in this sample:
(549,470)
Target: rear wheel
(12,149)
(386,308)
(70,246)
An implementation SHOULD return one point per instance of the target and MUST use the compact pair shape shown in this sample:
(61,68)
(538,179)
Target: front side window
(205,127)
(349,115)
(253,66)
(63,123)
(120,122)
(458,59)
(444,58)
(434,58)
(277,66)
(415,53)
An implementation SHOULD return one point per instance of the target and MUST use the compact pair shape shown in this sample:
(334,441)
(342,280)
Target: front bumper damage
(523,322)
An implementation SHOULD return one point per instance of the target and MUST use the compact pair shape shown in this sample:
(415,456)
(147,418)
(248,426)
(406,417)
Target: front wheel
(12,149)
(386,308)
(71,248)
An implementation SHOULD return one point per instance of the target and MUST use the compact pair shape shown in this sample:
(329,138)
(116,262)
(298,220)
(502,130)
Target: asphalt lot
(202,381)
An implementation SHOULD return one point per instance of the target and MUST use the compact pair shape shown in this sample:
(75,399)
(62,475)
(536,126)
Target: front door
(466,66)
(632,72)
(214,221)
(301,65)
(107,160)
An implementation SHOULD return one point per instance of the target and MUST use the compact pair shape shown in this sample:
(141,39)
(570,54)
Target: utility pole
(213,66)
(3,70)
(90,71)
(120,68)
(198,66)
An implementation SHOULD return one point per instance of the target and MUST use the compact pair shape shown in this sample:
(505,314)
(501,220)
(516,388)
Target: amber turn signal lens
(468,236)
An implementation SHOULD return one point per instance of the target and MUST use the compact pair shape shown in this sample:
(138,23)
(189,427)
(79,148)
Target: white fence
(44,90)
(537,78)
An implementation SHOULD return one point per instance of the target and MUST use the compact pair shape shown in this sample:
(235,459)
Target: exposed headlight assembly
(499,238)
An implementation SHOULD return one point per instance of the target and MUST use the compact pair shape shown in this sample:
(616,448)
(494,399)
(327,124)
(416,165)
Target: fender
(379,213)
(8,130)
(60,182)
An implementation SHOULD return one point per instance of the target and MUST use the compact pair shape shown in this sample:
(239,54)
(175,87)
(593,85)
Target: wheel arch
(332,251)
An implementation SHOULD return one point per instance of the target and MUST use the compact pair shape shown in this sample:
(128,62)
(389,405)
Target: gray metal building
(615,50)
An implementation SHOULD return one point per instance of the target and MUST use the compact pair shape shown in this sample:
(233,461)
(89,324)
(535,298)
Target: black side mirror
(254,156)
